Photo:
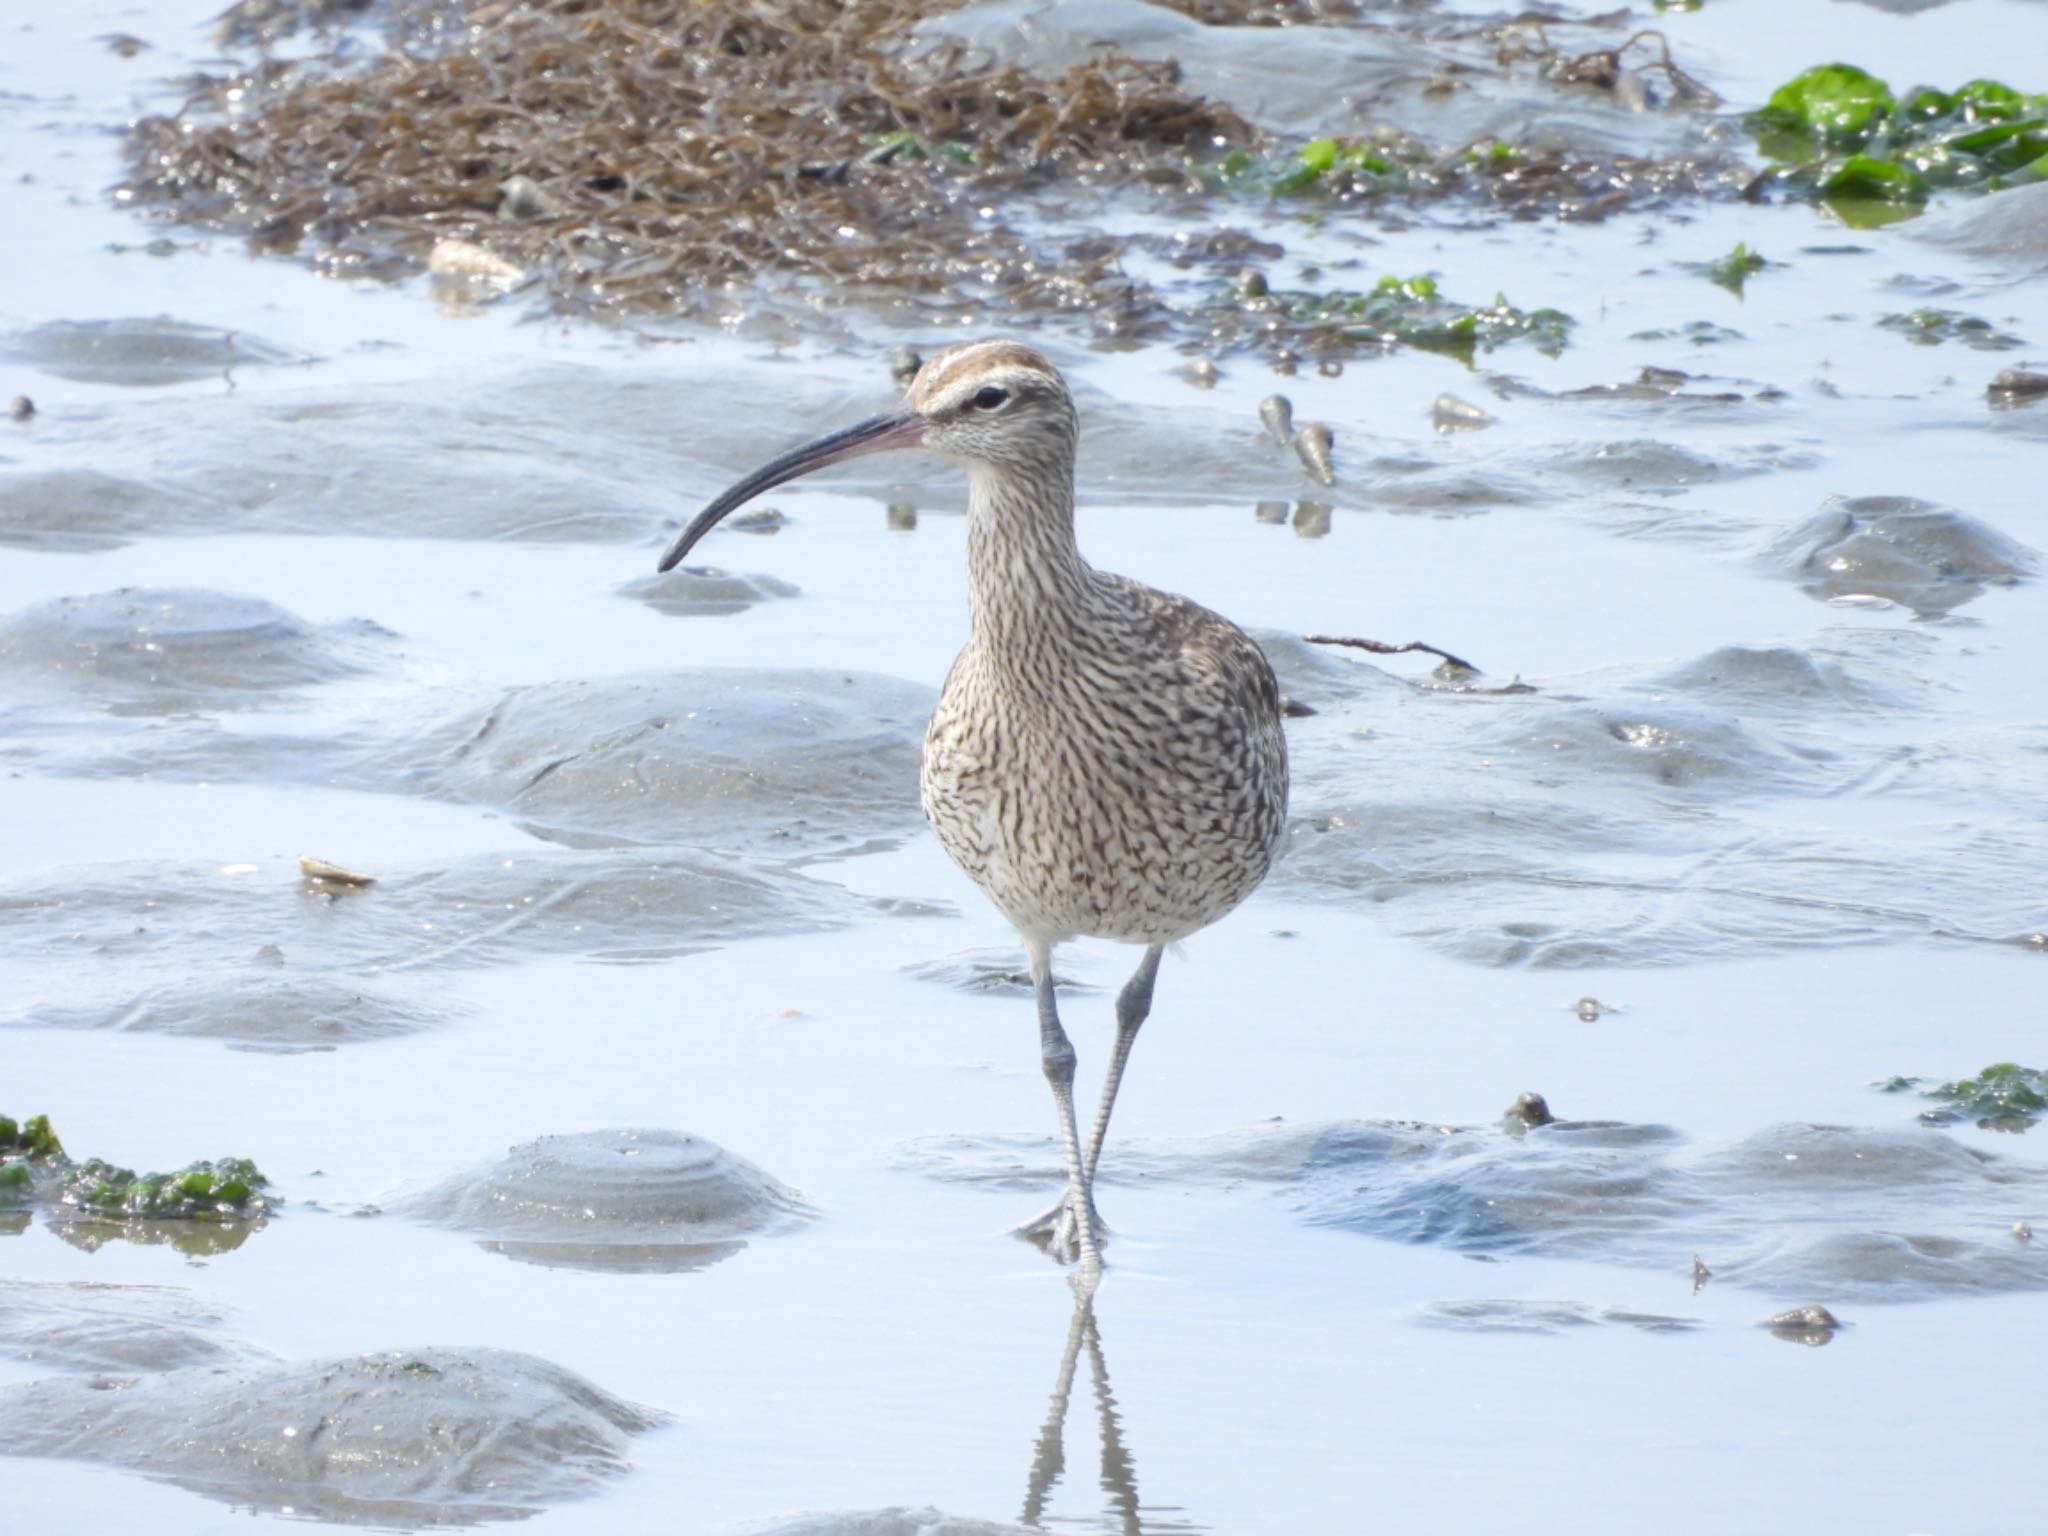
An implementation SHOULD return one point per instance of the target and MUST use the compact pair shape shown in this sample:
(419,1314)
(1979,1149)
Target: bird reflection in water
(1119,1475)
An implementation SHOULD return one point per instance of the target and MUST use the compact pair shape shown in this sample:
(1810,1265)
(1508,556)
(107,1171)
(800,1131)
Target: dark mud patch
(168,650)
(630,1201)
(797,762)
(1842,1213)
(260,1012)
(1899,549)
(138,353)
(79,1326)
(1671,393)
(424,1437)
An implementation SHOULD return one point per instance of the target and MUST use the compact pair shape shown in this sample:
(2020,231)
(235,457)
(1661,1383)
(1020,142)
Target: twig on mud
(1387,648)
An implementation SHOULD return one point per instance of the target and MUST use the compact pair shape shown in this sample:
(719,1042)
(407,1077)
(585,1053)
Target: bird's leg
(1133,1005)
(1057,1054)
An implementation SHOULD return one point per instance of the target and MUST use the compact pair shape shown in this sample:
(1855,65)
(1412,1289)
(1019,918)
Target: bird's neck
(1026,580)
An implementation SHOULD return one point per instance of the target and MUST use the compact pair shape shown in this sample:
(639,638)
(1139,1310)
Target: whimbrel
(1106,760)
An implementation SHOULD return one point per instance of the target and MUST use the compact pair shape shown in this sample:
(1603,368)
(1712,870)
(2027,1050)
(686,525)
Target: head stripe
(947,369)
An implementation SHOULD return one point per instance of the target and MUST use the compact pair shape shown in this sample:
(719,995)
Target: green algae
(1406,311)
(31,1139)
(227,1189)
(1931,327)
(1730,271)
(2003,1097)
(1331,164)
(1699,333)
(1833,103)
(1843,137)
(35,1169)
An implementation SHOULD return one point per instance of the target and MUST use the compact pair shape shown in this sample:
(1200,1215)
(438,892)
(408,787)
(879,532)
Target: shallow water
(648,857)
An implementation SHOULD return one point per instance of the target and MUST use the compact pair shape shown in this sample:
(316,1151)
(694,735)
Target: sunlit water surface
(1787,826)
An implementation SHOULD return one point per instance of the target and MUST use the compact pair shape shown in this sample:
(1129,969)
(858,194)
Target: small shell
(1251,284)
(902,517)
(1285,362)
(1311,519)
(903,365)
(1270,511)
(462,259)
(1312,444)
(1700,1275)
(21,408)
(1632,90)
(1451,414)
(521,197)
(1201,373)
(1276,415)
(1804,1320)
(2016,385)
(323,873)
(1531,1109)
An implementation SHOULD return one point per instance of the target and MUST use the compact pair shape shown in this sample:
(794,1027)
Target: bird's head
(986,405)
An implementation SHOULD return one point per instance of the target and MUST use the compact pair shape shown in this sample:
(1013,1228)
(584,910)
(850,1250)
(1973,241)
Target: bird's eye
(989,396)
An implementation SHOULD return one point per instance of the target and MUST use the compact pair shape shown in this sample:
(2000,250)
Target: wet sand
(650,881)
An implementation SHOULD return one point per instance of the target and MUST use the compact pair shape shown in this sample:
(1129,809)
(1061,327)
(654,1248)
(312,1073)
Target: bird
(1105,760)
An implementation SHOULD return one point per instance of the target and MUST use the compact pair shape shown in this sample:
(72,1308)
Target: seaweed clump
(644,154)
(725,159)
(1845,138)
(2003,1097)
(1395,311)
(205,1206)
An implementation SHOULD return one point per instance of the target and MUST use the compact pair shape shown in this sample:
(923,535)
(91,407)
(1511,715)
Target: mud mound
(633,1200)
(1843,1213)
(137,352)
(159,650)
(430,1436)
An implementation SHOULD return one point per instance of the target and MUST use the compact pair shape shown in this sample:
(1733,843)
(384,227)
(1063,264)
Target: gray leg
(1057,1054)
(1132,1006)
(1059,1224)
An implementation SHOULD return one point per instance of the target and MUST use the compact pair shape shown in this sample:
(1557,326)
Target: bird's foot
(1057,1229)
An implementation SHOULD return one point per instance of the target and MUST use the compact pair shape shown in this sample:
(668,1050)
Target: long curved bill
(898,429)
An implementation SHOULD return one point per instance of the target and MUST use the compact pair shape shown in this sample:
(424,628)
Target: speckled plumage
(1106,760)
